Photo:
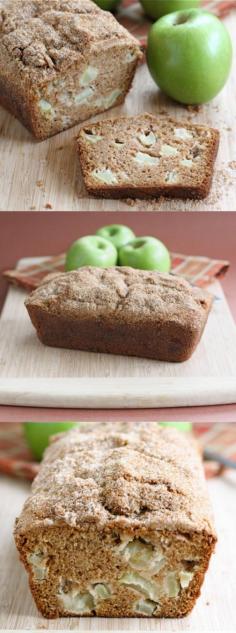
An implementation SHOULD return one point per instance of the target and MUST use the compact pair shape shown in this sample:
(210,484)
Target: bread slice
(145,156)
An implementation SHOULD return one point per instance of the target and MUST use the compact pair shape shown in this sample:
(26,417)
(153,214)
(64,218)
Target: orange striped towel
(17,461)
(199,271)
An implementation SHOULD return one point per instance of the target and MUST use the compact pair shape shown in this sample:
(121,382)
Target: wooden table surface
(37,176)
(215,610)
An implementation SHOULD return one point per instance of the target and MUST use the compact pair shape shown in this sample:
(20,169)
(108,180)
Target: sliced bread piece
(145,156)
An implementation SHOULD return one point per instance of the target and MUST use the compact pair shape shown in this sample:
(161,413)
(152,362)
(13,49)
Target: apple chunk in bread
(77,572)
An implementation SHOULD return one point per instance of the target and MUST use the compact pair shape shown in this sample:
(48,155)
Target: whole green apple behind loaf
(37,434)
(91,250)
(157,8)
(145,253)
(107,5)
(189,55)
(118,234)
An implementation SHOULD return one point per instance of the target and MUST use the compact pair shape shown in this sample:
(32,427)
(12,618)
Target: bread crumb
(39,183)
(224,180)
(48,206)
(194,108)
(164,113)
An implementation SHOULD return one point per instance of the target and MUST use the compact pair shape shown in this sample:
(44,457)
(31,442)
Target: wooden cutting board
(215,609)
(114,381)
(39,176)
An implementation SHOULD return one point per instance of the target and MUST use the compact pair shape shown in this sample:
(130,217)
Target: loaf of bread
(145,156)
(62,61)
(120,311)
(118,523)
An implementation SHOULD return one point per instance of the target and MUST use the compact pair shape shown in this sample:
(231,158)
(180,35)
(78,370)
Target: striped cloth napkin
(199,271)
(130,14)
(17,461)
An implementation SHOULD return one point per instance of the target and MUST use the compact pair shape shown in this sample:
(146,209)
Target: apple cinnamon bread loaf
(62,61)
(145,156)
(120,311)
(118,524)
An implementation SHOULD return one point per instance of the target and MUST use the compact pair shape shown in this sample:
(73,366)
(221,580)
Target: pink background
(50,233)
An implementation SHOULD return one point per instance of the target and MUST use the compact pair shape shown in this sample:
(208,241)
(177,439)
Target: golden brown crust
(102,486)
(127,476)
(121,311)
(43,39)
(187,173)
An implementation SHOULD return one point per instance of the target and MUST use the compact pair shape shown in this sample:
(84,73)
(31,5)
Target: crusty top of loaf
(122,294)
(45,36)
(121,475)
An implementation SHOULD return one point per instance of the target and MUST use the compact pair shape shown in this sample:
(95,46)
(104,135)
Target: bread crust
(121,311)
(102,485)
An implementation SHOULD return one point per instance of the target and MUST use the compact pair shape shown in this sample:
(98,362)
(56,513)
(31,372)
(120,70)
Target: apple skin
(190,61)
(91,250)
(180,426)
(118,234)
(37,434)
(157,8)
(107,5)
(145,253)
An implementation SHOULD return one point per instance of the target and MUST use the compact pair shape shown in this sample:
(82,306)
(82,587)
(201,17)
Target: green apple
(91,250)
(107,5)
(37,434)
(181,426)
(145,253)
(118,234)
(157,8)
(189,55)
